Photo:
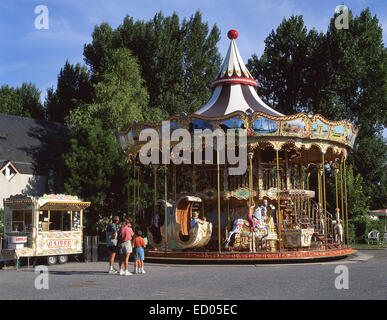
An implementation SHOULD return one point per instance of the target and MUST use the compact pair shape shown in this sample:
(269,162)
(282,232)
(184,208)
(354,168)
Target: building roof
(28,143)
(234,87)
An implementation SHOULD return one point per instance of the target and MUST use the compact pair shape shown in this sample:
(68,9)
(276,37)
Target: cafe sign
(62,243)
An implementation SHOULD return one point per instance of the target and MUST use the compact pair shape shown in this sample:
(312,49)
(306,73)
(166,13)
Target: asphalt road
(82,281)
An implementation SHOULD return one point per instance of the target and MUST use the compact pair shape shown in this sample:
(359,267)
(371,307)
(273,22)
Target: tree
(177,60)
(73,88)
(95,167)
(286,66)
(21,101)
(120,96)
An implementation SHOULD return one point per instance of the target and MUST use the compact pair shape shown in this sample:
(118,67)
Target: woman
(126,246)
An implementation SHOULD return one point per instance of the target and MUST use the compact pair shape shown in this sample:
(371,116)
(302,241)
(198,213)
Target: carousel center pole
(279,207)
(219,232)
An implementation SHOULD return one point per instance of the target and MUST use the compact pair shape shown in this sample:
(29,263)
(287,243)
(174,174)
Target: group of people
(123,241)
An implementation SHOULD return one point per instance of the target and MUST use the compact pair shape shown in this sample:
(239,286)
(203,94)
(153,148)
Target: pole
(342,197)
(279,207)
(346,201)
(134,188)
(219,233)
(128,192)
(325,202)
(251,154)
(154,189)
(165,208)
(337,193)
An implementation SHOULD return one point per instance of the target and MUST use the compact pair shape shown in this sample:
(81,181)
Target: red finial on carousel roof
(232,34)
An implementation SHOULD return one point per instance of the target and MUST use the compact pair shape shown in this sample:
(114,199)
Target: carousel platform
(227,257)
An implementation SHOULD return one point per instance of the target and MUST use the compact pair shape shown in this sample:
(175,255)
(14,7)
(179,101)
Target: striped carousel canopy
(234,87)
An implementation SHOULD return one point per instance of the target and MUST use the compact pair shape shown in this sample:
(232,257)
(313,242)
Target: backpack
(119,238)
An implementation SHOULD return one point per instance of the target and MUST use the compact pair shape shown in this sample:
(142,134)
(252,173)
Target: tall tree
(177,60)
(21,101)
(95,167)
(120,97)
(73,88)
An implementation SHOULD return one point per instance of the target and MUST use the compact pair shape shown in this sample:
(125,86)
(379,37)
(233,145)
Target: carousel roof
(234,87)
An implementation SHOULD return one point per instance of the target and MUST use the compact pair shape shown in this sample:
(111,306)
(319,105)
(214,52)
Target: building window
(21,220)
(9,172)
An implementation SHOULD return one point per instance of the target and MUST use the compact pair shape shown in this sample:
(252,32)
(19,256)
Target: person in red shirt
(126,246)
(139,245)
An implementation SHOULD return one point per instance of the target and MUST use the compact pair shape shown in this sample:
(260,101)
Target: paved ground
(367,280)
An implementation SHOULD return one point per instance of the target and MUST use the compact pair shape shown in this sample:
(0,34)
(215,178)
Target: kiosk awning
(63,205)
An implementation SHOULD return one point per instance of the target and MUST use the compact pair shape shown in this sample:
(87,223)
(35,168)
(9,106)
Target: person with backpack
(126,235)
(139,245)
(111,243)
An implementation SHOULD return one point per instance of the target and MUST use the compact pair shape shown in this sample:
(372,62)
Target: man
(111,243)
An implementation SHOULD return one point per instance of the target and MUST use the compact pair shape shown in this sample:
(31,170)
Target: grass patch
(368,246)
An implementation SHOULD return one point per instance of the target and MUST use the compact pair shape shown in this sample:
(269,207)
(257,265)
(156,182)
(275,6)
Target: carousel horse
(242,227)
(338,232)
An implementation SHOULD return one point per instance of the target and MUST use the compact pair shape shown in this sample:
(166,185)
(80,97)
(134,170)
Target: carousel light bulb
(249,112)
(310,114)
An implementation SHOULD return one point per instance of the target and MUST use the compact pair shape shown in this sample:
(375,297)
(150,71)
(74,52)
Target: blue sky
(28,54)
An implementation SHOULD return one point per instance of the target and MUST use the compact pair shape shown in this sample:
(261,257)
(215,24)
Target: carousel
(268,213)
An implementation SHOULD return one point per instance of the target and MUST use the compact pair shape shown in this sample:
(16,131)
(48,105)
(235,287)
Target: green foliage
(119,95)
(73,87)
(360,226)
(21,101)
(357,200)
(96,169)
(178,60)
(369,160)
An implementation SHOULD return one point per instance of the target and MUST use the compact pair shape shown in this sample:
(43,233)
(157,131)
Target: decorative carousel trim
(242,80)
(248,256)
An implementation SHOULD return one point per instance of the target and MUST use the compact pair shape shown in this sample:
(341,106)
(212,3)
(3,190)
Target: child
(139,245)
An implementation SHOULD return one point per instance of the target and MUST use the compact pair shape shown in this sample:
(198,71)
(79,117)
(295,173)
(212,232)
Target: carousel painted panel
(320,130)
(338,133)
(298,238)
(265,126)
(351,136)
(202,124)
(296,128)
(233,123)
(58,242)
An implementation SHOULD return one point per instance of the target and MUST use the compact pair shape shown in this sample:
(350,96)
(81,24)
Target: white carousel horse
(242,227)
(338,232)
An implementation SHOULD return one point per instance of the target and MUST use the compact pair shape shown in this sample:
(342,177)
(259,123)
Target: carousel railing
(316,216)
